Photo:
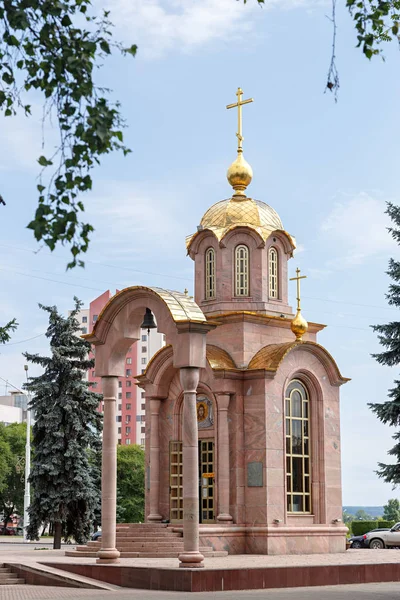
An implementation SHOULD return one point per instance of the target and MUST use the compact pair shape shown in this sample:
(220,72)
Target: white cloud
(357,226)
(159,25)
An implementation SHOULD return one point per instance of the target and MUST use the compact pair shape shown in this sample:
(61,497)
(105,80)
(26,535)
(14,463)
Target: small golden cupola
(240,248)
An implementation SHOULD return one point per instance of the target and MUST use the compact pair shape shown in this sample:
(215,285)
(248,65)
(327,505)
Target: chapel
(267,404)
(243,445)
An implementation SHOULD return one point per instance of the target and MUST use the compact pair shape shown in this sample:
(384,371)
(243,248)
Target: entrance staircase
(144,540)
(7,577)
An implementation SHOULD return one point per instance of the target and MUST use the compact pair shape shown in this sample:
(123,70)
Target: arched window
(297,408)
(241,270)
(273,272)
(210,273)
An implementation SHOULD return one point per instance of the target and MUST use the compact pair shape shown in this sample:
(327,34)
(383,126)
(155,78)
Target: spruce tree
(67,425)
(389,337)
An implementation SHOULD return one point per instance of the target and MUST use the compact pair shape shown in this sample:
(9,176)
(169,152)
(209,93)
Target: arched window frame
(298,449)
(242,270)
(210,273)
(273,273)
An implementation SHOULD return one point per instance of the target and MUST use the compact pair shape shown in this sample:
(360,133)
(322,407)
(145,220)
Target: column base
(191,560)
(224,517)
(154,517)
(108,556)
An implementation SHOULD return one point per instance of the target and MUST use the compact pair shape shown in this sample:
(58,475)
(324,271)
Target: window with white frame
(241,270)
(210,273)
(273,272)
(144,361)
(129,361)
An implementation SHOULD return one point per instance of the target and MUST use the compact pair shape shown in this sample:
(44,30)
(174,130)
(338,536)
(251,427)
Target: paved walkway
(38,552)
(373,591)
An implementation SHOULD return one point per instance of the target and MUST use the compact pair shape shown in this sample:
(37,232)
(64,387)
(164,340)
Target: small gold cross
(239,105)
(298,285)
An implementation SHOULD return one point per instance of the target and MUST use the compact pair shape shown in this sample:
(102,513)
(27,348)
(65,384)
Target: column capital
(223,399)
(189,377)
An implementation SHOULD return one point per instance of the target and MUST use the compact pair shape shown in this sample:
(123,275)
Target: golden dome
(239,174)
(241,211)
(299,325)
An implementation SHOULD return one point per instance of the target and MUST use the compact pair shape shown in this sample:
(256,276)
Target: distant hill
(374,511)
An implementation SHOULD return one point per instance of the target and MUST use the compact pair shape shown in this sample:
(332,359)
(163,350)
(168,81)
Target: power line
(22,341)
(94,262)
(351,303)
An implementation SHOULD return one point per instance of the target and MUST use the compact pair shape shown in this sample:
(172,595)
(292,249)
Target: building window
(128,372)
(273,272)
(84,319)
(128,419)
(210,273)
(120,384)
(127,442)
(95,317)
(297,409)
(144,361)
(84,330)
(241,270)
(119,429)
(127,430)
(129,394)
(143,370)
(143,407)
(119,418)
(143,429)
(144,338)
(142,440)
(120,396)
(143,394)
(128,361)
(94,384)
(128,406)
(144,349)
(142,418)
(119,406)
(129,349)
(129,384)
(93,373)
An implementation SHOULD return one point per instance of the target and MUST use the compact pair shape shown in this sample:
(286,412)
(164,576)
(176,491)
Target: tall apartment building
(130,407)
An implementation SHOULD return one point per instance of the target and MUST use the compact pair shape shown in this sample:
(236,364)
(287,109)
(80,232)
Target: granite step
(144,554)
(7,577)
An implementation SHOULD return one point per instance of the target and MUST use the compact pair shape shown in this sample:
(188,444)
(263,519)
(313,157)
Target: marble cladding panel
(233,544)
(275,459)
(255,515)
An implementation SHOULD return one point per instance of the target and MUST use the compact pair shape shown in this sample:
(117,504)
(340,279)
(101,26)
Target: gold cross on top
(297,278)
(239,105)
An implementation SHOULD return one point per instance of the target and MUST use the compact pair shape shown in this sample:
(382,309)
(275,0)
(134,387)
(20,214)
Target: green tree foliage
(389,337)
(6,330)
(130,482)
(67,424)
(361,515)
(391,510)
(53,48)
(12,480)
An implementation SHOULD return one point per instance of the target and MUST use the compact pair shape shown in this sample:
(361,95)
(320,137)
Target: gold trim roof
(219,358)
(240,212)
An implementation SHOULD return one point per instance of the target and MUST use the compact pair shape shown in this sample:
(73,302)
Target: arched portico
(116,329)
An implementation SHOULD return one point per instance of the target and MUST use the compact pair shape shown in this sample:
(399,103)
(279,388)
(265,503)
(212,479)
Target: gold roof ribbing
(240,212)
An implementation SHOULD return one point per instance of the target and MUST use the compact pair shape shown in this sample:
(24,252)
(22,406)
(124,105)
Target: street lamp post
(27,493)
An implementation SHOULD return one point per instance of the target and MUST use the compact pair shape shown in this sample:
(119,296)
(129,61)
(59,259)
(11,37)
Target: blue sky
(326,168)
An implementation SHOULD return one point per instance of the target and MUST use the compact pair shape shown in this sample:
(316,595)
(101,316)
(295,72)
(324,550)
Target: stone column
(191,557)
(108,552)
(223,458)
(154,461)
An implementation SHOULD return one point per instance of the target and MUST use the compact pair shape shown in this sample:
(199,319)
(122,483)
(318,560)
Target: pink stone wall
(225,299)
